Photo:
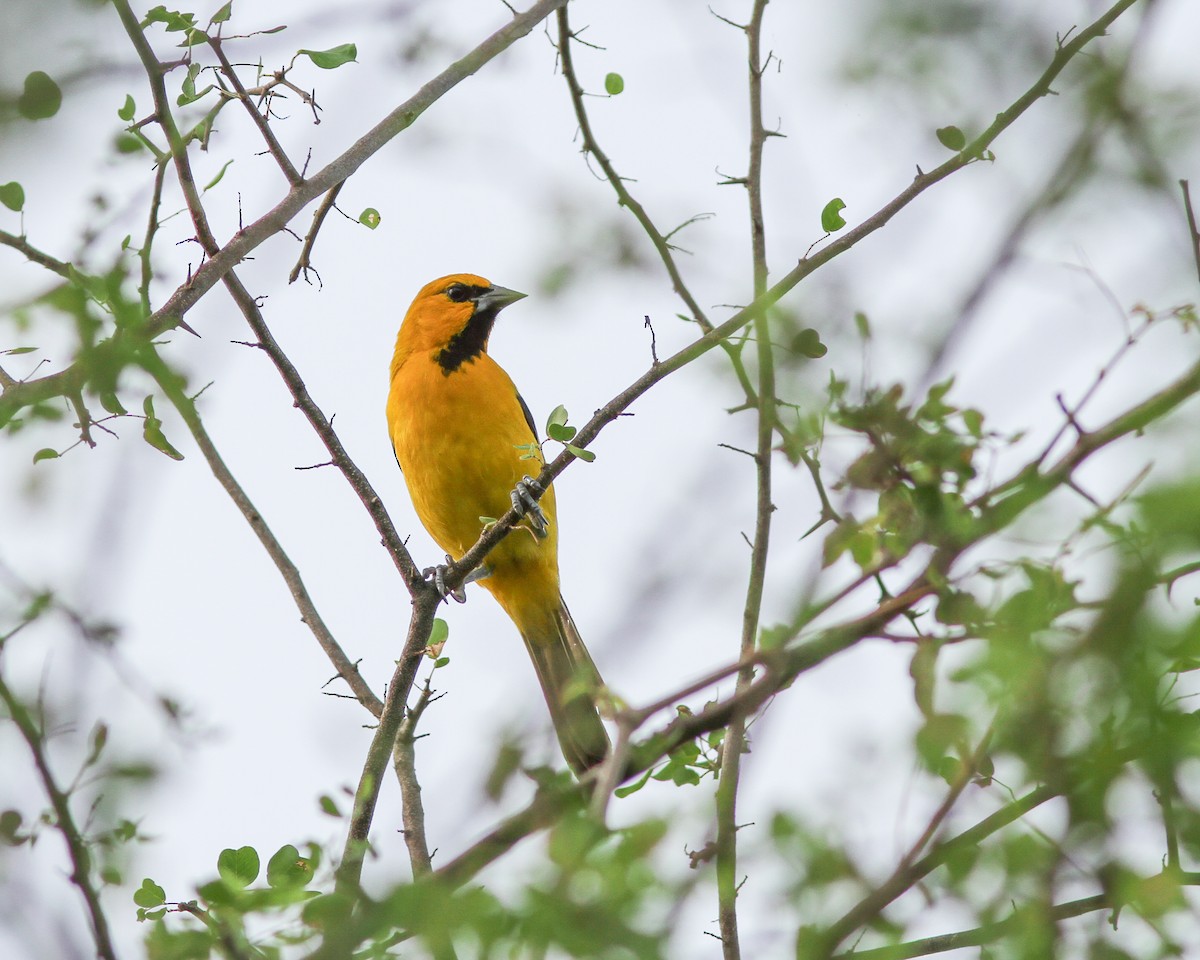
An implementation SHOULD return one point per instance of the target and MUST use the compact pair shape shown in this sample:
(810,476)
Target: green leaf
(558,416)
(217,179)
(41,98)
(217,893)
(556,425)
(127,143)
(951,138)
(222,15)
(149,894)
(942,733)
(440,631)
(862,325)
(831,218)
(154,436)
(110,403)
(238,868)
(334,57)
(633,787)
(287,868)
(10,823)
(17,351)
(99,739)
(12,195)
(808,343)
(152,431)
(329,805)
(441,662)
(127,111)
(189,94)
(585,455)
(614,83)
(46,453)
(369,218)
(173,20)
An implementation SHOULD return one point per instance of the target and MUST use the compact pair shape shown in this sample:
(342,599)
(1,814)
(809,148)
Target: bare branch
(1191,220)
(349,872)
(34,255)
(263,124)
(64,821)
(734,744)
(246,240)
(405,762)
(346,668)
(304,264)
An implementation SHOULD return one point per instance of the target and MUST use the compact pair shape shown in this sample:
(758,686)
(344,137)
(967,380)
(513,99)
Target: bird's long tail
(570,682)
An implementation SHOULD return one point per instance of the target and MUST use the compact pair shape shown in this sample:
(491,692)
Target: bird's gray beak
(498,298)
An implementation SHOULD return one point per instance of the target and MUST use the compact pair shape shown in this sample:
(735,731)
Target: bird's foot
(524,501)
(438,575)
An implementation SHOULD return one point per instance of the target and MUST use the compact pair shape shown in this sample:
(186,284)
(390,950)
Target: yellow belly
(460,448)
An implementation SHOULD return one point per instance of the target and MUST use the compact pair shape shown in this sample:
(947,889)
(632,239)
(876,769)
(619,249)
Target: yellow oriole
(460,432)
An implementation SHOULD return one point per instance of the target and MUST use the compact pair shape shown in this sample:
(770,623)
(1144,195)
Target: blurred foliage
(1060,678)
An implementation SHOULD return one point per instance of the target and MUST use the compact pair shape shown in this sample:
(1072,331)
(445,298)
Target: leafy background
(212,693)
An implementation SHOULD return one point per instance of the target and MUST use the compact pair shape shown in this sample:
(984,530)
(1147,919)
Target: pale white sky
(653,562)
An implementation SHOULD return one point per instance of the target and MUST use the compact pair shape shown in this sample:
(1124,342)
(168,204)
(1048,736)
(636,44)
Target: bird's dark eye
(458,293)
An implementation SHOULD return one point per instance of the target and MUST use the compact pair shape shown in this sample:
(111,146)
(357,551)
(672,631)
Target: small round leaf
(126,143)
(12,195)
(808,343)
(150,894)
(951,138)
(238,868)
(831,216)
(41,97)
(370,218)
(287,869)
(614,83)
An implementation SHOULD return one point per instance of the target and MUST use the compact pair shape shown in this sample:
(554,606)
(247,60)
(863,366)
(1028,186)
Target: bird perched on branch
(465,441)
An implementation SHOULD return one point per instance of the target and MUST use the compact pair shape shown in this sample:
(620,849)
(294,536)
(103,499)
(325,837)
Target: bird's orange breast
(459,439)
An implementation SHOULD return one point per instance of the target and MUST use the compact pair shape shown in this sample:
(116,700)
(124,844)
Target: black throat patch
(468,343)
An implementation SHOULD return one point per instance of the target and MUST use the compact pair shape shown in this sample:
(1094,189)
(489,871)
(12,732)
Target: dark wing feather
(528,416)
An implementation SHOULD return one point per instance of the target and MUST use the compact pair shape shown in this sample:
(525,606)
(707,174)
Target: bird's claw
(438,575)
(524,501)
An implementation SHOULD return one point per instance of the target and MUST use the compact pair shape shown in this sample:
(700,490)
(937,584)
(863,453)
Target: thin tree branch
(152,224)
(253,315)
(807,265)
(346,668)
(734,743)
(264,126)
(624,197)
(64,822)
(903,877)
(358,481)
(34,255)
(1191,221)
(304,264)
(404,760)
(349,871)
(980,936)
(246,240)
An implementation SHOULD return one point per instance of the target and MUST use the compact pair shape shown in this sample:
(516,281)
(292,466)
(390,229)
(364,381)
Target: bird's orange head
(452,318)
